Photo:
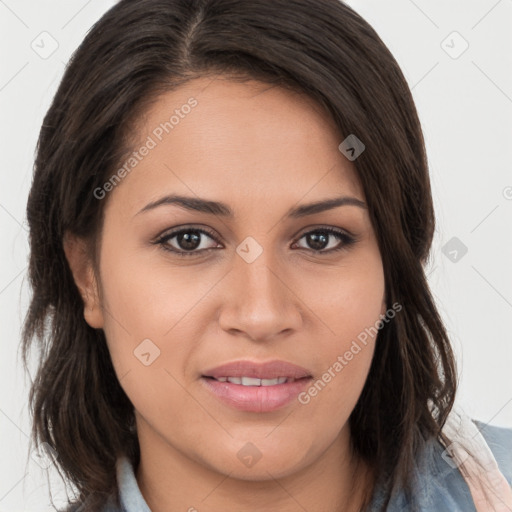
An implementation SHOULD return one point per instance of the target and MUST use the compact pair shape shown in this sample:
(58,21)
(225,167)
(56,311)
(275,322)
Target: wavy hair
(140,49)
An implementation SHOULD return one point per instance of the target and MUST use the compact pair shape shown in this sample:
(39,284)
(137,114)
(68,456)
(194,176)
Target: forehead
(224,139)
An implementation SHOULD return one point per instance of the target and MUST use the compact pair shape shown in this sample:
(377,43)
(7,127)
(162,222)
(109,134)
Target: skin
(262,150)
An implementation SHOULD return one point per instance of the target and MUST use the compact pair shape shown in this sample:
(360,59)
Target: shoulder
(443,487)
(438,481)
(499,440)
(437,485)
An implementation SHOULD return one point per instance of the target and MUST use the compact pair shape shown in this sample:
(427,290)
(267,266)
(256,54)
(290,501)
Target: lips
(276,369)
(256,387)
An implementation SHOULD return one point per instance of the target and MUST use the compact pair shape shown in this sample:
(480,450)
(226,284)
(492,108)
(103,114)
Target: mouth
(256,386)
(257,373)
(250,394)
(253,381)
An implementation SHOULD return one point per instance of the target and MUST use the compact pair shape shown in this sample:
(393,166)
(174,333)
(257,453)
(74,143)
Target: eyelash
(346,240)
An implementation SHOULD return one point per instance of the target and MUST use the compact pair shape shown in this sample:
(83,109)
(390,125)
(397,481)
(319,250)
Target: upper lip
(268,370)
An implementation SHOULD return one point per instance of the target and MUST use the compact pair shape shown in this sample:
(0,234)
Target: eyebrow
(223,210)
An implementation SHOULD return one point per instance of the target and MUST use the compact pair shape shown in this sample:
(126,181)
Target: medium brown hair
(142,48)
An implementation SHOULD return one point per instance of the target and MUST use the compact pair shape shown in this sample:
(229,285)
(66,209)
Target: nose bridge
(261,304)
(256,271)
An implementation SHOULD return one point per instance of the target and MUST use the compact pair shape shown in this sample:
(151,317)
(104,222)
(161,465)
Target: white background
(465,106)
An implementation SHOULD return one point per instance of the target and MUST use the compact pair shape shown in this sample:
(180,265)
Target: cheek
(350,306)
(149,335)
(147,296)
(349,300)
(145,307)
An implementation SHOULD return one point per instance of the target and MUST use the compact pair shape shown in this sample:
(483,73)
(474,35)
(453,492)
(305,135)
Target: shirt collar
(130,496)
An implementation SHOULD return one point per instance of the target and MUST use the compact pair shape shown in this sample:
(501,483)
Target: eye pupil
(318,241)
(191,240)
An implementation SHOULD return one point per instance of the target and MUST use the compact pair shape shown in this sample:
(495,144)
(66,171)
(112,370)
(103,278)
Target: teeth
(273,382)
(251,381)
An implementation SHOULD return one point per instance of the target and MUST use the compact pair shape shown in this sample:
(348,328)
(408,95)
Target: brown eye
(327,238)
(188,241)
(193,241)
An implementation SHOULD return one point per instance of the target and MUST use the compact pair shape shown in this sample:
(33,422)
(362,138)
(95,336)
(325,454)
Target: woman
(229,219)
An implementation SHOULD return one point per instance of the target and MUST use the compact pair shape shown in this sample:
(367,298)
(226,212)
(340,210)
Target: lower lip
(256,398)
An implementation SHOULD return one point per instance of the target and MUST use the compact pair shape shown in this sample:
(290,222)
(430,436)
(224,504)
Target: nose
(259,300)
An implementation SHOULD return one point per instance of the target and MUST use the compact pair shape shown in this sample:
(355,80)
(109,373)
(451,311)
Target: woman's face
(250,288)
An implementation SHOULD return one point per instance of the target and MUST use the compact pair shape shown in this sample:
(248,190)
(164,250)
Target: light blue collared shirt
(439,486)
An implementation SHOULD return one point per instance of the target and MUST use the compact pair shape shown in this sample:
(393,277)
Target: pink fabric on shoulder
(471,454)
